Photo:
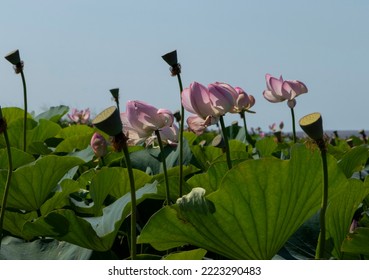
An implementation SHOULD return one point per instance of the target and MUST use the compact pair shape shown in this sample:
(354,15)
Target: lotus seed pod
(109,121)
(312,125)
(115,92)
(171,58)
(13,57)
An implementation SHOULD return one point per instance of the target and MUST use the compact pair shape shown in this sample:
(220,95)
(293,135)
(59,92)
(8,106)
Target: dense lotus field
(144,183)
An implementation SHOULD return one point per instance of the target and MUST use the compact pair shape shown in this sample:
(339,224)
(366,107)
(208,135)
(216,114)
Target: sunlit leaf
(354,160)
(259,205)
(32,184)
(101,231)
(206,155)
(76,137)
(197,254)
(19,158)
(114,181)
(54,114)
(340,213)
(44,130)
(15,133)
(12,114)
(266,146)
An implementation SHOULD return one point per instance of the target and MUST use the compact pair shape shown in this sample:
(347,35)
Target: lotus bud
(291,103)
(312,125)
(99,145)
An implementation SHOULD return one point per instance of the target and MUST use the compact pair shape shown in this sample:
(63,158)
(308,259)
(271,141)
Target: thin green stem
(324,203)
(102,161)
(247,135)
(225,138)
(7,184)
(293,125)
(25,111)
(133,199)
(162,157)
(181,129)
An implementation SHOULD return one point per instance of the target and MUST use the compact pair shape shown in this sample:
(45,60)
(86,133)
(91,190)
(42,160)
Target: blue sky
(76,51)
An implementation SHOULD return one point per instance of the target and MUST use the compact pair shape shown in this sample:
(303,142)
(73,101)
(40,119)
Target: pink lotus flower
(98,144)
(243,101)
(214,100)
(169,135)
(273,127)
(207,103)
(80,116)
(141,119)
(198,125)
(279,90)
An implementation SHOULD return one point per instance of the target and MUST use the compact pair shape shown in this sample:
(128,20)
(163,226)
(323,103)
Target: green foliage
(64,203)
(16,249)
(357,242)
(64,224)
(340,213)
(251,215)
(197,254)
(32,184)
(54,114)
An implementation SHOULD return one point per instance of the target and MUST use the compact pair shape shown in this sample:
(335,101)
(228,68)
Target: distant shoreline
(344,134)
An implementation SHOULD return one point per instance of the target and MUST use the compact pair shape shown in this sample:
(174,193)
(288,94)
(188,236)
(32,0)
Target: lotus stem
(133,198)
(25,111)
(293,125)
(181,129)
(247,135)
(226,144)
(312,125)
(324,203)
(175,69)
(162,157)
(9,174)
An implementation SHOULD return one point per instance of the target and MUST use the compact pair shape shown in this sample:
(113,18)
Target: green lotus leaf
(173,180)
(340,213)
(354,160)
(114,181)
(32,184)
(266,146)
(14,222)
(13,113)
(19,158)
(357,242)
(60,198)
(206,155)
(15,133)
(96,233)
(17,249)
(258,206)
(196,254)
(54,114)
(76,137)
(44,130)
